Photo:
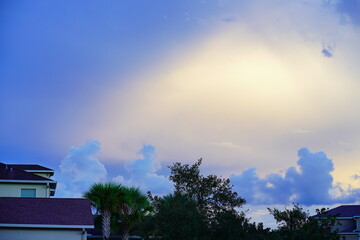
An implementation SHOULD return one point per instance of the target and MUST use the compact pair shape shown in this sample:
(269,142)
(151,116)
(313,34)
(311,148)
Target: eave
(8,225)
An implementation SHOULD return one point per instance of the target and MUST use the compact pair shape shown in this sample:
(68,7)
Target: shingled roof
(345,211)
(45,212)
(30,167)
(8,172)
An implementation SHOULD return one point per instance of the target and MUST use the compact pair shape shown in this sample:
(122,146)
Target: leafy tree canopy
(289,219)
(296,224)
(211,193)
(133,211)
(106,198)
(177,217)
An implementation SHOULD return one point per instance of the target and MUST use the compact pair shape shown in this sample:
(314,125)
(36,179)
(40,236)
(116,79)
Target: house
(28,212)
(348,221)
(44,218)
(26,181)
(34,168)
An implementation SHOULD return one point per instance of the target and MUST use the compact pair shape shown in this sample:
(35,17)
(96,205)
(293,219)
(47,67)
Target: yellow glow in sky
(239,98)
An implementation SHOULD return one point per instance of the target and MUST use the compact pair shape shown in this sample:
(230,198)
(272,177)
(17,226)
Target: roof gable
(45,211)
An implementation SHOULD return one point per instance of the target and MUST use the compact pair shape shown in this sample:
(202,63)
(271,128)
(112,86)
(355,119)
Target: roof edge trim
(27,181)
(39,171)
(45,226)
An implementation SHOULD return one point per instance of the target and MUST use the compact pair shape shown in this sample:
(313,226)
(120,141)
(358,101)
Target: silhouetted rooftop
(345,211)
(48,211)
(9,172)
(34,167)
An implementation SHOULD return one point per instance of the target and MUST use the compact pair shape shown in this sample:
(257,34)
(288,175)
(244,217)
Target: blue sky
(267,92)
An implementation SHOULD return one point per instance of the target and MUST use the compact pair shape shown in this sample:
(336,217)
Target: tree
(233,225)
(296,224)
(106,198)
(176,218)
(133,210)
(321,226)
(290,220)
(211,193)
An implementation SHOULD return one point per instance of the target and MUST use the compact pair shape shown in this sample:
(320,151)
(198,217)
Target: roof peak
(29,167)
(12,172)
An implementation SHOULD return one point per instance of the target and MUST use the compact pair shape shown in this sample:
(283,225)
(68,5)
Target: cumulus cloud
(143,173)
(309,183)
(80,169)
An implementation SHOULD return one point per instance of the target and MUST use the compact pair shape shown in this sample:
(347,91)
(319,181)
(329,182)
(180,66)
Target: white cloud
(80,169)
(143,173)
(309,184)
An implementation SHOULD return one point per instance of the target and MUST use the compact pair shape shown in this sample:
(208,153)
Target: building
(28,212)
(44,218)
(26,181)
(348,221)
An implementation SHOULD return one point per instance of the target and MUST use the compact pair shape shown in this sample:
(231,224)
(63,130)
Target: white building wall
(41,234)
(14,189)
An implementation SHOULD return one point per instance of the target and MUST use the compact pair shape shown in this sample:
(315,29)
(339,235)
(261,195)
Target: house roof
(8,172)
(45,212)
(31,167)
(345,211)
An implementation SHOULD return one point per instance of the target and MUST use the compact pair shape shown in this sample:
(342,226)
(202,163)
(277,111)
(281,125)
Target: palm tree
(133,210)
(106,198)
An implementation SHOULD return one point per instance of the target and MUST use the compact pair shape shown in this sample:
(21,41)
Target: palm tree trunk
(126,211)
(126,233)
(106,217)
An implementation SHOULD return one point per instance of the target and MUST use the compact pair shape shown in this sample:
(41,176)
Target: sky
(266,92)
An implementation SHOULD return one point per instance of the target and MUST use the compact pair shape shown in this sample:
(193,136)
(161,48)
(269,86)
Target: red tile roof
(45,211)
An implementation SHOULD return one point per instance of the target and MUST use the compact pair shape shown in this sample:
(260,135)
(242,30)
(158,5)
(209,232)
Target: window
(28,192)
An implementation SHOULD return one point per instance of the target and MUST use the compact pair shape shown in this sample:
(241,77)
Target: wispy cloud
(301,131)
(229,19)
(231,145)
(328,50)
